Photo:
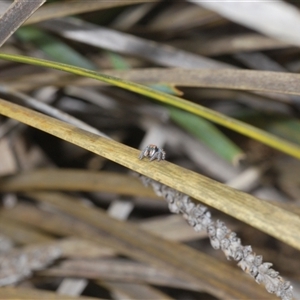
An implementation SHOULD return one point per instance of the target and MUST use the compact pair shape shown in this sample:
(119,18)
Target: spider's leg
(143,153)
(154,156)
(159,156)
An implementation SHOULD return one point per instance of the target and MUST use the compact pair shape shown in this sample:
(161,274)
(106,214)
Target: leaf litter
(71,234)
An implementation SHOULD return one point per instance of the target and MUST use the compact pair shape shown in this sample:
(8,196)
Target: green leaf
(53,47)
(117,61)
(282,126)
(166,88)
(207,133)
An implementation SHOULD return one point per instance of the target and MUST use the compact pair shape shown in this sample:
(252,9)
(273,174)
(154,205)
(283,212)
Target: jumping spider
(153,152)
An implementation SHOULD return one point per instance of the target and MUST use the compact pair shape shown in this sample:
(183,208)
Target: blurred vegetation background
(214,84)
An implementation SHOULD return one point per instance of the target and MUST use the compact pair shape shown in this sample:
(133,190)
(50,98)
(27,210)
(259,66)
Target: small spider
(153,152)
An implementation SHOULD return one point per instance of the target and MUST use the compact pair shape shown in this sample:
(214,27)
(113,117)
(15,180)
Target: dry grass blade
(179,18)
(87,255)
(52,223)
(232,44)
(244,207)
(178,259)
(245,80)
(20,231)
(277,19)
(12,293)
(113,40)
(61,224)
(12,222)
(62,9)
(19,264)
(114,269)
(259,61)
(188,106)
(30,220)
(173,228)
(15,16)
(48,109)
(87,88)
(75,180)
(132,291)
(21,234)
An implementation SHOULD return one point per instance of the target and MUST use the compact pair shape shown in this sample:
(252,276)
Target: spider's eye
(152,151)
